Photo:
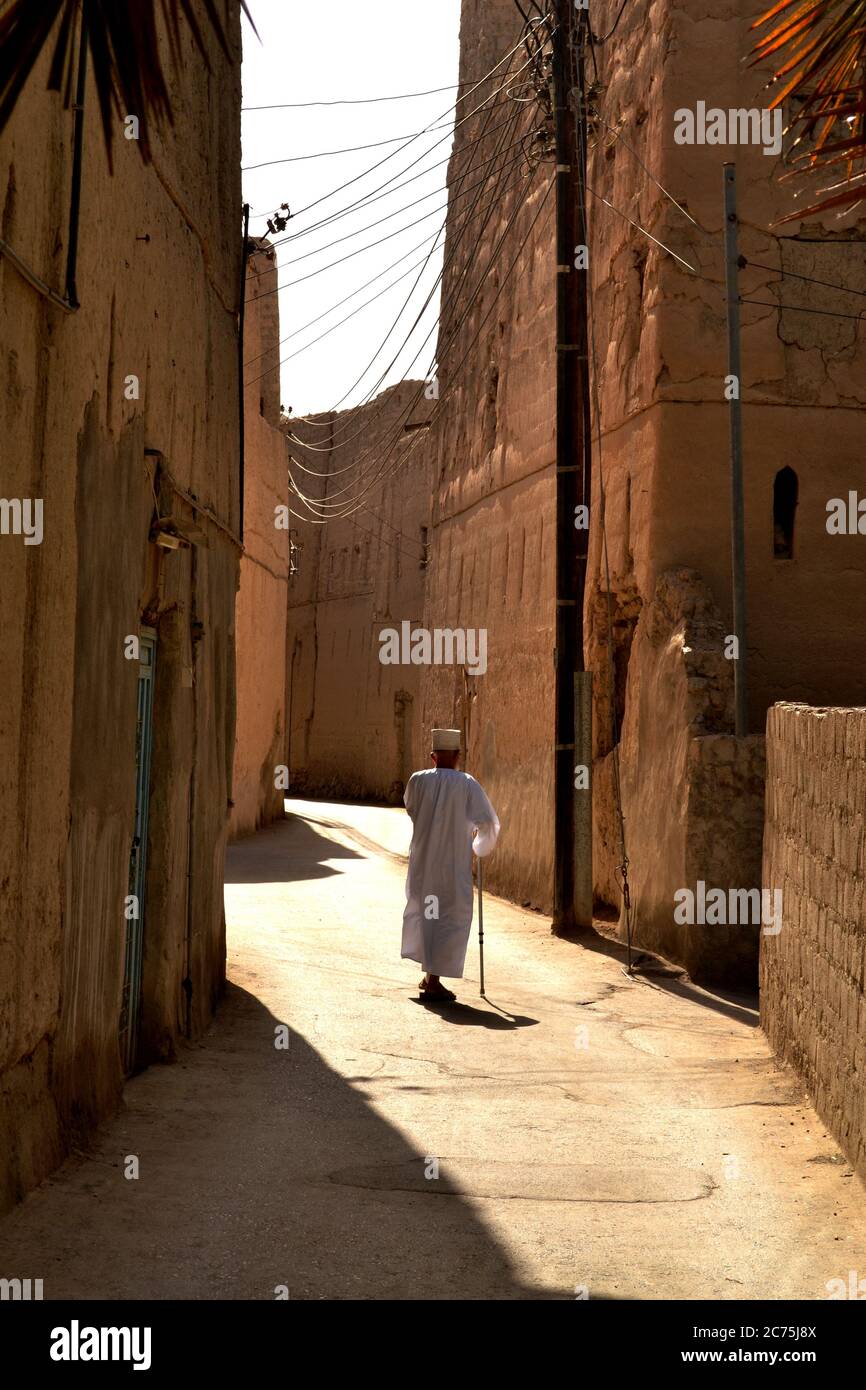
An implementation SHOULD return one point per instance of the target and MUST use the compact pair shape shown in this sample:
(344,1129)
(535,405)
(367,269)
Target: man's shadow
(453,1011)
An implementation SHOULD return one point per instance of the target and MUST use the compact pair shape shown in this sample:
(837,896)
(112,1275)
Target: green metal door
(131,1000)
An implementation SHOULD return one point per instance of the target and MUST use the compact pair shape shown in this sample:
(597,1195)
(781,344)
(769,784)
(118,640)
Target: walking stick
(467,719)
(481,925)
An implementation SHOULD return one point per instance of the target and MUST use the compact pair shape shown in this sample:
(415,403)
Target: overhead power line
(455,289)
(387,157)
(470,146)
(745,261)
(422,262)
(375,196)
(367,421)
(612,31)
(471,301)
(649,174)
(332,307)
(382,477)
(384,473)
(368,226)
(378,468)
(365,101)
(639,228)
(350,149)
(464,222)
(800,308)
(340,302)
(810,279)
(396,529)
(351,254)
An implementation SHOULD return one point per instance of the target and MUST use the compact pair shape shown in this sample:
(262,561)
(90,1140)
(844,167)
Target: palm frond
(123,41)
(819,48)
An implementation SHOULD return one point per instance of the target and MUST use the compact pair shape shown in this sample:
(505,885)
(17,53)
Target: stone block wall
(813,973)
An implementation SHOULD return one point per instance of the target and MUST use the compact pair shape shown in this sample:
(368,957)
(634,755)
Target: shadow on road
(285,852)
(247,1154)
(456,1012)
(739,1005)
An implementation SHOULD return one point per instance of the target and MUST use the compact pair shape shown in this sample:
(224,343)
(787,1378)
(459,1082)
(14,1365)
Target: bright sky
(309,53)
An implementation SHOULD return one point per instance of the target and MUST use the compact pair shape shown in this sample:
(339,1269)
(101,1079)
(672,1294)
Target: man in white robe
(451,818)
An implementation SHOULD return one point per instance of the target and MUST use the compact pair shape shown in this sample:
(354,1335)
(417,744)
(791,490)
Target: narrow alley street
(633,1138)
(433,460)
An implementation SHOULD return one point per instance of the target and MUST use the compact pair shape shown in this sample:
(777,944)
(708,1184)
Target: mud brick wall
(813,1006)
(157,281)
(260,610)
(352,722)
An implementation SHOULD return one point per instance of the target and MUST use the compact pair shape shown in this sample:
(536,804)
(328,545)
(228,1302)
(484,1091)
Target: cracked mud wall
(693,793)
(157,284)
(354,721)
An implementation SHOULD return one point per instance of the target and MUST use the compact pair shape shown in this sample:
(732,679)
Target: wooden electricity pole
(738,533)
(573,753)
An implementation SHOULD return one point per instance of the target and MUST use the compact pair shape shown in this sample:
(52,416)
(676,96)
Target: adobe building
(260,613)
(692,793)
(353,720)
(120,418)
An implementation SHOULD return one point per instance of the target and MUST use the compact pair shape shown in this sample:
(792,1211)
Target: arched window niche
(785,488)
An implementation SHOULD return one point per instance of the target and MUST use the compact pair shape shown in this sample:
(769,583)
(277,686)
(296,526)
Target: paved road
(632,1138)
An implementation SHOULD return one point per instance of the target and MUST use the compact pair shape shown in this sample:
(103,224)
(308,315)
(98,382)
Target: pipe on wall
(77,165)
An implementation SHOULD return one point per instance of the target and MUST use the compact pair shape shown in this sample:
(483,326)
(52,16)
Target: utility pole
(242,304)
(573,751)
(738,539)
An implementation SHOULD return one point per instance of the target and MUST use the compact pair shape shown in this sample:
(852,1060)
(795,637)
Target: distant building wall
(813,973)
(260,612)
(353,719)
(157,282)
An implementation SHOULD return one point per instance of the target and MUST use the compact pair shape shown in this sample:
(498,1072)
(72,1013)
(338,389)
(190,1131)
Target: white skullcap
(446,741)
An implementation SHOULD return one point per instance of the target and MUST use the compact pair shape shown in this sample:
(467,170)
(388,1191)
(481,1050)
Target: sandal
(435,992)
